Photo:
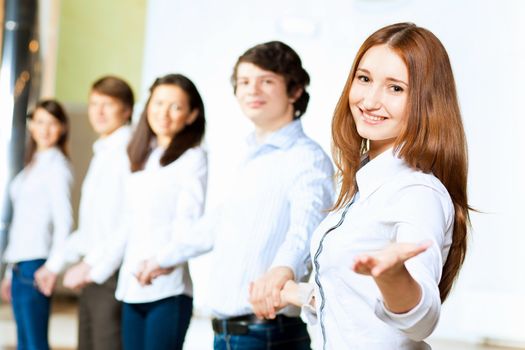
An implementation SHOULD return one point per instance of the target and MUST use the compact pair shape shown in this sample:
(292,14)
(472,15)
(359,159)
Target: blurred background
(57,48)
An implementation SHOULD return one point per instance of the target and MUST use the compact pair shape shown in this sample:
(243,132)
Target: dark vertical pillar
(19,28)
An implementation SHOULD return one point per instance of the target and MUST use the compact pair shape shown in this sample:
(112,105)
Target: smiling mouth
(370,118)
(255,104)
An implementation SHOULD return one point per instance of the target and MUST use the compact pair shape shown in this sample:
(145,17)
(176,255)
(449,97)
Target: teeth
(373,117)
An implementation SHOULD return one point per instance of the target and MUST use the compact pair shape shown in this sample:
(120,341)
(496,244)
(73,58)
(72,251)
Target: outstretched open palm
(388,261)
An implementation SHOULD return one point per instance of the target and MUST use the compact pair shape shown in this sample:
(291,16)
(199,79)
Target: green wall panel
(98,37)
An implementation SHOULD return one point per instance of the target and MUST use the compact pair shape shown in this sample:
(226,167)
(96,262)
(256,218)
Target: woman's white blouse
(160,202)
(395,204)
(42,213)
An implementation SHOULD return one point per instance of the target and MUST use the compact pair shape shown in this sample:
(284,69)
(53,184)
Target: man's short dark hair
(277,57)
(116,88)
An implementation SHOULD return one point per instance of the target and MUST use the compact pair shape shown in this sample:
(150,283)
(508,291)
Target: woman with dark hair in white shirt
(165,193)
(42,219)
(387,255)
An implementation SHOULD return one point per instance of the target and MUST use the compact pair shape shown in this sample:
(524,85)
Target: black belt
(240,325)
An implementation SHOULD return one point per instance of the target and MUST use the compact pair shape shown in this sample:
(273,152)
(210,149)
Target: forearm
(400,291)
(298,294)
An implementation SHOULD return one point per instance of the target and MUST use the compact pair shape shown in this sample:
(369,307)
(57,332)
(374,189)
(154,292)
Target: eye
(174,107)
(363,78)
(242,82)
(396,88)
(268,81)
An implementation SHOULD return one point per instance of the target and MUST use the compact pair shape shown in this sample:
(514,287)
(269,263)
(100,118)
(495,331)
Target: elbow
(422,333)
(417,324)
(424,327)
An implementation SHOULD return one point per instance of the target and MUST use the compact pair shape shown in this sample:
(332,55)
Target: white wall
(203,39)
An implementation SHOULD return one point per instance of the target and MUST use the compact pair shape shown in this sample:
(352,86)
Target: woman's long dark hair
(54,108)
(139,147)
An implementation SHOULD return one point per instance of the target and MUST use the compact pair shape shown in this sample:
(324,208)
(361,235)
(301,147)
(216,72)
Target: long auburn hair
(139,146)
(433,139)
(54,108)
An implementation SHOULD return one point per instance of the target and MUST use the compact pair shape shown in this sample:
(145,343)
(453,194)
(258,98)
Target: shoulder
(192,160)
(60,164)
(309,153)
(423,192)
(420,180)
(195,154)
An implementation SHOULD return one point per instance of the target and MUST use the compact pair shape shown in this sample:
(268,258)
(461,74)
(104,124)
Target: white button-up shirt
(102,198)
(395,204)
(281,193)
(161,202)
(42,214)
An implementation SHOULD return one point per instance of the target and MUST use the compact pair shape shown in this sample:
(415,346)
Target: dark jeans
(99,317)
(159,325)
(266,337)
(30,307)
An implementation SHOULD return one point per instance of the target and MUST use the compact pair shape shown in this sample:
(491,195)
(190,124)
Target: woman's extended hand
(389,261)
(400,291)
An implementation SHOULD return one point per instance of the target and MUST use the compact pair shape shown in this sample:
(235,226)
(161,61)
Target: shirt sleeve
(105,262)
(310,197)
(189,236)
(422,213)
(8,274)
(61,213)
(106,256)
(308,311)
(116,216)
(68,253)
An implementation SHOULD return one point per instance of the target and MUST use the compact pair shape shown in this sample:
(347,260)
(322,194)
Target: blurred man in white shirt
(110,108)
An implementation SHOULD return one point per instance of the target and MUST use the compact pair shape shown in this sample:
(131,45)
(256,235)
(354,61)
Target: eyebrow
(388,78)
(264,76)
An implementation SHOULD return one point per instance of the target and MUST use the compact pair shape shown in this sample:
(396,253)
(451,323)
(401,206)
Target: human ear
(294,96)
(30,125)
(192,117)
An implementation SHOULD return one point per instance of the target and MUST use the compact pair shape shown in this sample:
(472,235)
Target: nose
(98,109)
(372,98)
(163,112)
(253,87)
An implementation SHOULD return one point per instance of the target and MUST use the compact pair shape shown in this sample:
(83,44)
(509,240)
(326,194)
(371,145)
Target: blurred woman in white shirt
(165,194)
(387,255)
(42,219)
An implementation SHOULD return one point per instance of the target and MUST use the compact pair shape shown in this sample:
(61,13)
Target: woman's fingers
(390,258)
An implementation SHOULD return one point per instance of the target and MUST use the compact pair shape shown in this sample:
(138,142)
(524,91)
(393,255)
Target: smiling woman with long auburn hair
(387,255)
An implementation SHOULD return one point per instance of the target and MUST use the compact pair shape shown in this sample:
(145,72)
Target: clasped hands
(77,277)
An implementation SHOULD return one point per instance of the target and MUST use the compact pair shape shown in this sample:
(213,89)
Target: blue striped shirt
(281,193)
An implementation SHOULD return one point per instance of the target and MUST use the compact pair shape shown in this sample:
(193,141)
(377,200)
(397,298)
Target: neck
(108,134)
(43,148)
(163,141)
(378,147)
(262,131)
